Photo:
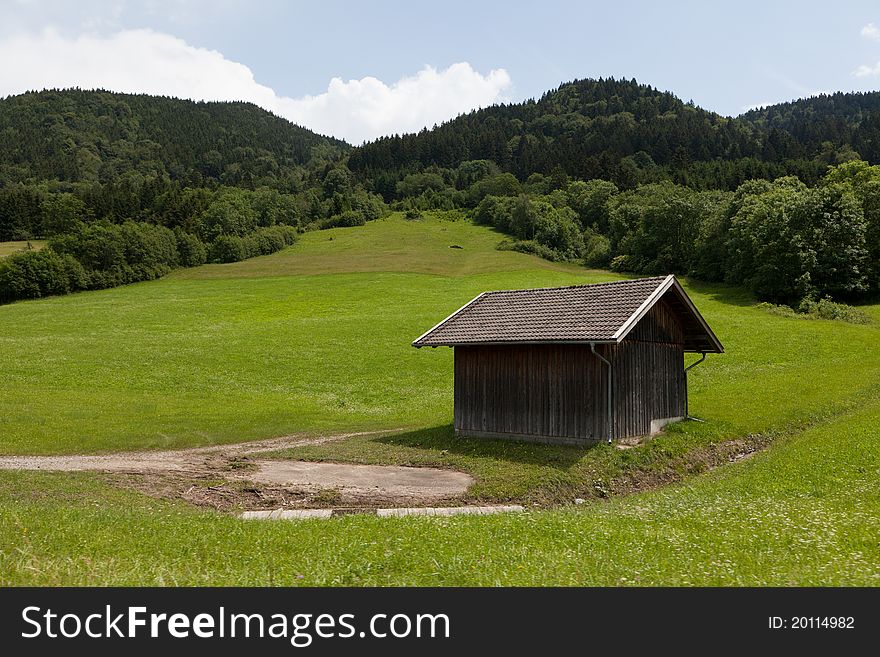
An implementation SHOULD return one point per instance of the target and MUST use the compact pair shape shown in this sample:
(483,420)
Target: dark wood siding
(558,392)
(649,380)
(540,391)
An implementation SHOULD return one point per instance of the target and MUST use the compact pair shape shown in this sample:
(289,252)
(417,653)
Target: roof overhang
(671,284)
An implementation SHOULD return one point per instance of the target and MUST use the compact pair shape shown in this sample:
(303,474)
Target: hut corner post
(610,418)
(687,399)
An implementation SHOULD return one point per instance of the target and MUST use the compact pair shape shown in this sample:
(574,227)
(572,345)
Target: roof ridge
(581,285)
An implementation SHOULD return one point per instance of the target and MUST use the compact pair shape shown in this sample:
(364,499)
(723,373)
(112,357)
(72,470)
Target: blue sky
(284,55)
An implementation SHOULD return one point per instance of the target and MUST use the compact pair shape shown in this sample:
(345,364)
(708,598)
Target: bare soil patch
(234,478)
(228,478)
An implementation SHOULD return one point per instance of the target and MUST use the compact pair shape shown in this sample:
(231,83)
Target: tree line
(781,239)
(139,229)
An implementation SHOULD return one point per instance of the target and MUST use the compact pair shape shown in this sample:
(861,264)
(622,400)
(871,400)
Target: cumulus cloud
(865,70)
(135,61)
(871,31)
(368,107)
(145,61)
(754,106)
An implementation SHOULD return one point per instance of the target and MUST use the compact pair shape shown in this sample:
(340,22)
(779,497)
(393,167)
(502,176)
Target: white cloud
(768,103)
(135,61)
(864,70)
(368,107)
(754,106)
(145,61)
(871,31)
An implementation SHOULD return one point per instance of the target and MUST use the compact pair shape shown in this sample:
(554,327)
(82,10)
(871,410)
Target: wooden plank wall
(649,380)
(550,391)
(558,392)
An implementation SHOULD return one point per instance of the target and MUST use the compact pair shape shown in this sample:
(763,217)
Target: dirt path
(227,476)
(189,459)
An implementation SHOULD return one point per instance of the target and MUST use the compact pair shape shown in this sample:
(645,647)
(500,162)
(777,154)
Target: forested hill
(99,136)
(809,126)
(617,130)
(631,133)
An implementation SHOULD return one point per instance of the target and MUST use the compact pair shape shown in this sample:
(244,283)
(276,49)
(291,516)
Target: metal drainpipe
(687,410)
(610,415)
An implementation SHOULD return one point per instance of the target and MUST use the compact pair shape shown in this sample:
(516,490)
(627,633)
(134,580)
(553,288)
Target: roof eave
(668,283)
(643,309)
(442,322)
(508,343)
(719,348)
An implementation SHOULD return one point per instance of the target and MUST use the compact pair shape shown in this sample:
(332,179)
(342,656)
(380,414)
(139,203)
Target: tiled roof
(582,313)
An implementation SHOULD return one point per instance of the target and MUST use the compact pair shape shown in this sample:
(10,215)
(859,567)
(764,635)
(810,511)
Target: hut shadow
(443,438)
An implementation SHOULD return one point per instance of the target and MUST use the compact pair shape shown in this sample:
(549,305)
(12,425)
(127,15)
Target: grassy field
(8,248)
(223,353)
(316,339)
(806,512)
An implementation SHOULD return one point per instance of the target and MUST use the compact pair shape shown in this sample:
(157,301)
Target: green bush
(346,219)
(597,250)
(828,309)
(620,263)
(780,310)
(534,220)
(36,274)
(227,248)
(529,246)
(230,248)
(191,249)
(118,254)
(823,309)
(230,213)
(503,184)
(149,251)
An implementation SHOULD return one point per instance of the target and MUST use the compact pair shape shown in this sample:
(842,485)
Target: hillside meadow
(19,246)
(316,339)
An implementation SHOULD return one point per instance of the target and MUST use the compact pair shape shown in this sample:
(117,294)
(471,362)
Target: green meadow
(8,248)
(316,339)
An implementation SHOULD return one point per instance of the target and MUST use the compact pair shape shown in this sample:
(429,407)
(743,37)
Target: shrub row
(263,241)
(35,274)
(534,221)
(103,254)
(117,254)
(823,309)
(529,246)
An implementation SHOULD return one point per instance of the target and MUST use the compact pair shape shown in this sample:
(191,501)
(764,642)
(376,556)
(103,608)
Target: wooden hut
(573,365)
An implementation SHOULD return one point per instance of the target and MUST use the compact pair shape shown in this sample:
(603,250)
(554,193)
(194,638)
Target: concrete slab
(391,480)
(449,511)
(287,514)
(305,514)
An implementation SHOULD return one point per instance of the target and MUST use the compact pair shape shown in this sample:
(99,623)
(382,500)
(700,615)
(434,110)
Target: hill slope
(76,136)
